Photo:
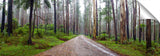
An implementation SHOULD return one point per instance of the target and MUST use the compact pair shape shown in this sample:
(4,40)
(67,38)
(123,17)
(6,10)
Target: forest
(78,28)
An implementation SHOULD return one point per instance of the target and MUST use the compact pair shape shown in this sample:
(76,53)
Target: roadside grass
(44,39)
(131,49)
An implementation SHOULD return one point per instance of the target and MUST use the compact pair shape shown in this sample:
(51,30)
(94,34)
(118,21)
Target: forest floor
(79,46)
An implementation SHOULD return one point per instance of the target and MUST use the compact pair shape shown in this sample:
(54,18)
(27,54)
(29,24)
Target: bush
(102,36)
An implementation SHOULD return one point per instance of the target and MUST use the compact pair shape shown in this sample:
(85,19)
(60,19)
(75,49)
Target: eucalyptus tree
(94,16)
(134,18)
(77,16)
(127,19)
(122,21)
(148,35)
(10,17)
(3,15)
(115,26)
(67,16)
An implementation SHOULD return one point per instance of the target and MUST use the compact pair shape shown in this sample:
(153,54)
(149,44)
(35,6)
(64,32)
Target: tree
(140,28)
(127,19)
(94,16)
(55,16)
(148,34)
(122,21)
(9,17)
(134,19)
(30,21)
(96,19)
(159,32)
(154,35)
(3,15)
(115,26)
(67,17)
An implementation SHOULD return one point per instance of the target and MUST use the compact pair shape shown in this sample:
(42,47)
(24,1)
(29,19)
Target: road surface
(79,46)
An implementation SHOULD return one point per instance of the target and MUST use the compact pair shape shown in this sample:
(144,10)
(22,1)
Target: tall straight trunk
(10,16)
(94,16)
(143,30)
(140,29)
(96,19)
(34,22)
(64,18)
(74,18)
(154,31)
(127,19)
(100,23)
(108,13)
(159,32)
(30,21)
(90,21)
(148,34)
(67,17)
(115,25)
(3,15)
(134,20)
(123,36)
(109,29)
(55,23)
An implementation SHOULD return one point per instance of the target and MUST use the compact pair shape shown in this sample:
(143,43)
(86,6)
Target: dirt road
(79,46)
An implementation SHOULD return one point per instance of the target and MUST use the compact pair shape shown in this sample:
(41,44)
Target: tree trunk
(55,25)
(3,16)
(94,16)
(30,21)
(96,20)
(122,21)
(148,35)
(115,24)
(154,31)
(143,30)
(134,21)
(34,22)
(127,19)
(159,32)
(67,17)
(10,16)
(140,29)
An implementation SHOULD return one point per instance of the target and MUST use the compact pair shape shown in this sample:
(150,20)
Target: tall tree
(10,17)
(96,19)
(94,16)
(134,19)
(3,15)
(77,16)
(159,32)
(30,21)
(67,17)
(115,26)
(122,21)
(140,28)
(154,35)
(148,34)
(127,19)
(55,16)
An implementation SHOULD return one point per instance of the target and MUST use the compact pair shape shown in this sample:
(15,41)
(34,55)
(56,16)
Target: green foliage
(108,18)
(14,23)
(102,36)
(142,25)
(122,49)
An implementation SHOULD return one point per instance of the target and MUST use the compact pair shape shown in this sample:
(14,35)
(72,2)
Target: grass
(16,44)
(132,49)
